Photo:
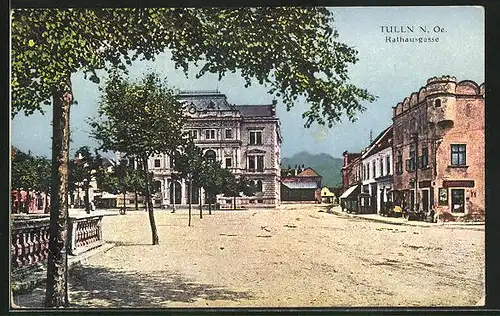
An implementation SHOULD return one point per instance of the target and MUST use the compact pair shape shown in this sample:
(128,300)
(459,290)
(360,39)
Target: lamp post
(190,178)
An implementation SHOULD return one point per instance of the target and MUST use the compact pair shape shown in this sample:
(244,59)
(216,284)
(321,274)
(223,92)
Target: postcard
(248,157)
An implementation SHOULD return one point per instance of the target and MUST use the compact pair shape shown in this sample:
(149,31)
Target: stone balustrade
(85,233)
(30,241)
(30,238)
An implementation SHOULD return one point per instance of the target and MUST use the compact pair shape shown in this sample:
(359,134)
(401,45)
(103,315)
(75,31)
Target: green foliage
(190,161)
(233,187)
(291,50)
(30,172)
(214,178)
(139,118)
(123,177)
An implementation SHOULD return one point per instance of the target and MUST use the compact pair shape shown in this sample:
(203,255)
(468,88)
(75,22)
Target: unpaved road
(295,256)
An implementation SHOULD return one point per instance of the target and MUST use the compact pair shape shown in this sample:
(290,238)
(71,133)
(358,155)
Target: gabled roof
(308,172)
(382,141)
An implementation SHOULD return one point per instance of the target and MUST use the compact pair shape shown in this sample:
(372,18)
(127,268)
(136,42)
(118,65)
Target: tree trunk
(190,196)
(201,206)
(87,200)
(234,201)
(56,294)
(136,196)
(149,203)
(124,197)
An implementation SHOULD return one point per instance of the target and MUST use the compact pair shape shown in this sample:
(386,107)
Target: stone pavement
(401,221)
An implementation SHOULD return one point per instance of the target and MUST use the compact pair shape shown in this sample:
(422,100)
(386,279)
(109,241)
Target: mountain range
(324,164)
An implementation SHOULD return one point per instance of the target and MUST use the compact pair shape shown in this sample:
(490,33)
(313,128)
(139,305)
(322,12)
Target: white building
(245,138)
(378,170)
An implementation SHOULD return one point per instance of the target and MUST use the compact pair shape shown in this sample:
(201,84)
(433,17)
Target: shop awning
(349,192)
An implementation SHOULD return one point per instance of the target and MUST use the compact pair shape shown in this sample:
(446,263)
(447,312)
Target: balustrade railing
(30,238)
(85,233)
(30,241)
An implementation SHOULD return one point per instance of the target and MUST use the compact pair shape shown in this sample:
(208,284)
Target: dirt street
(295,256)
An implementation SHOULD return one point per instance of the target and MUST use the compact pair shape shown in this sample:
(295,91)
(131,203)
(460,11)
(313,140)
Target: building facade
(351,199)
(303,186)
(377,170)
(245,138)
(438,148)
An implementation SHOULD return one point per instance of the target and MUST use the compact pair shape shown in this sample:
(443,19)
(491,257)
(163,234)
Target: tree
(190,164)
(292,50)
(140,119)
(234,187)
(29,172)
(85,164)
(213,180)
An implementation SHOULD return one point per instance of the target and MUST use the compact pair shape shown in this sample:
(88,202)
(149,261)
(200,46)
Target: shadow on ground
(103,287)
(99,287)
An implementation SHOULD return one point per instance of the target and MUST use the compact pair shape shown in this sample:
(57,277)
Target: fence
(30,238)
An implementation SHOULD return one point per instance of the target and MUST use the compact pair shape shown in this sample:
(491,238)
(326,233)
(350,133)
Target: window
(157,163)
(425,157)
(410,162)
(229,133)
(228,163)
(458,153)
(387,165)
(457,200)
(255,138)
(381,171)
(210,134)
(413,125)
(259,186)
(374,169)
(172,162)
(256,163)
(193,134)
(399,163)
(437,103)
(210,155)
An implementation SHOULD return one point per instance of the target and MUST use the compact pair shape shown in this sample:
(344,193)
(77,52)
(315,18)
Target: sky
(391,71)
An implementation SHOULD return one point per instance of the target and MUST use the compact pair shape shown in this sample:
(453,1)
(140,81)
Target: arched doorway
(210,155)
(178,192)
(156,186)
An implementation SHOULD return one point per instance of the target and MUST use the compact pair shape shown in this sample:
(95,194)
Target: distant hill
(325,165)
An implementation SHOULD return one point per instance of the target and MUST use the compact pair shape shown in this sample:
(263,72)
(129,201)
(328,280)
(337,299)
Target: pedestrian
(342,204)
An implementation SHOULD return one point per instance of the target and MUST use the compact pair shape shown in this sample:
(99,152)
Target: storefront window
(458,200)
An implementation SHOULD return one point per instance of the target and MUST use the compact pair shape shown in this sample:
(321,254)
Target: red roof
(308,172)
